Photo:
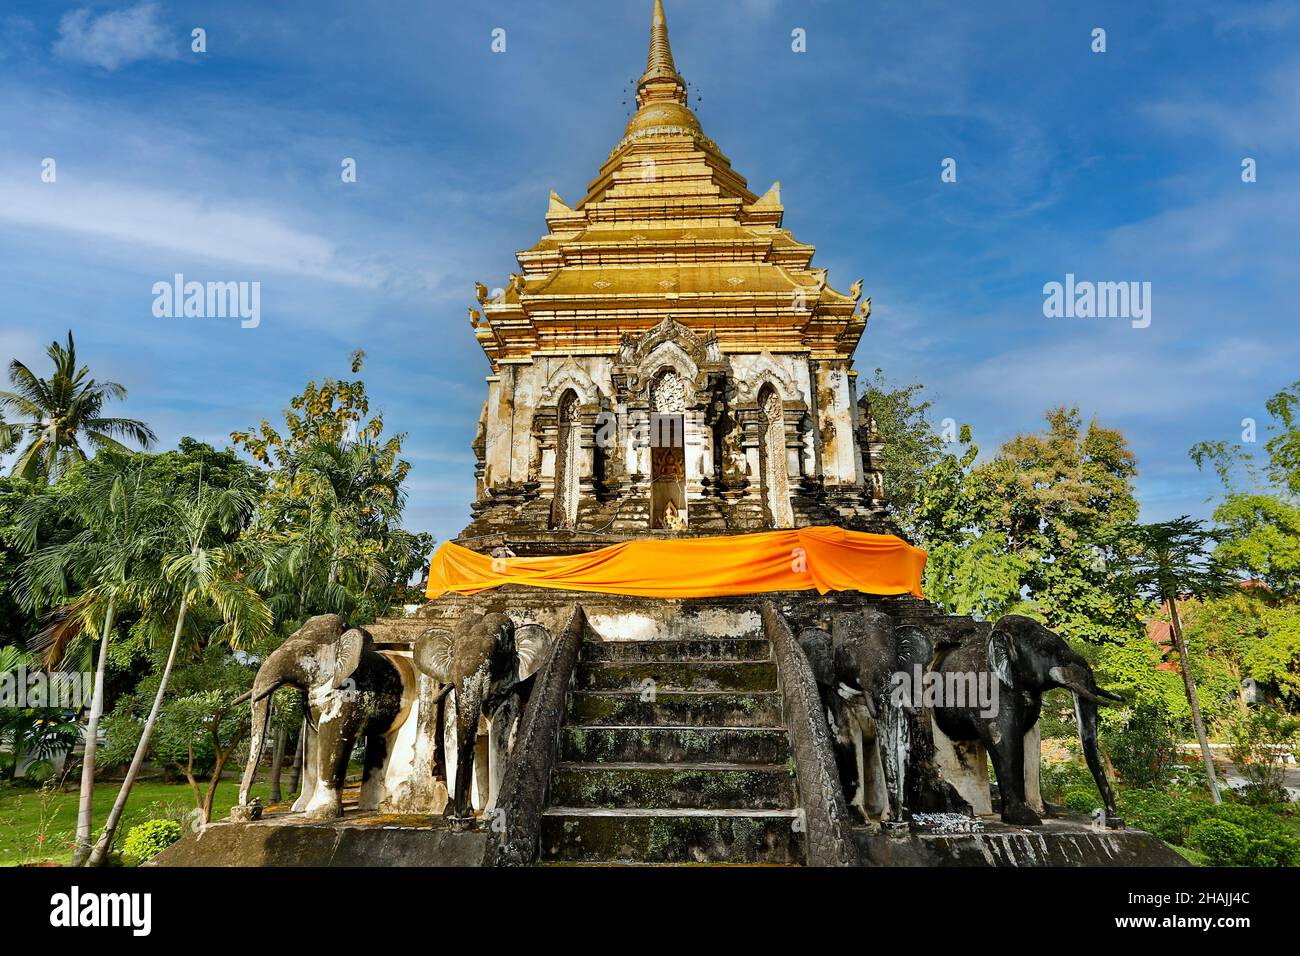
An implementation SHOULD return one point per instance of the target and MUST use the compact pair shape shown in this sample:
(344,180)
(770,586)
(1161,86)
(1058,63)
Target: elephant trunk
(1085,711)
(469,708)
(261,708)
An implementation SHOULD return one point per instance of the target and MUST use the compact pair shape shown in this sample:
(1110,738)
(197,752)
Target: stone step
(670,708)
(696,786)
(677,675)
(742,745)
(704,649)
(579,834)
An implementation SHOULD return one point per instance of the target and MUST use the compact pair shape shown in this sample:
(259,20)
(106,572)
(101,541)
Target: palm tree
(59,411)
(201,567)
(327,525)
(1166,561)
(114,550)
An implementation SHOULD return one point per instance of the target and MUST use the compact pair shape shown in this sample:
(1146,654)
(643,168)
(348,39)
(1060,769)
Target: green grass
(22,809)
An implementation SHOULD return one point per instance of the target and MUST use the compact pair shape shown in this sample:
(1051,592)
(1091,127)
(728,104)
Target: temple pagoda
(667,360)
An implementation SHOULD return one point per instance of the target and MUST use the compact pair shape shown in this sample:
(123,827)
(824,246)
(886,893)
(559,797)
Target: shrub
(1222,843)
(1268,841)
(148,839)
(1167,816)
(1143,748)
(1082,799)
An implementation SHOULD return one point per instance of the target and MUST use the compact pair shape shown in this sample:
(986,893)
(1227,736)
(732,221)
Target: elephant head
(857,666)
(1027,657)
(318,658)
(485,660)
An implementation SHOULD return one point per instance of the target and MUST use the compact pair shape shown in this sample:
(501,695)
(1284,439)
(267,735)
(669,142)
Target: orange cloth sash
(803,559)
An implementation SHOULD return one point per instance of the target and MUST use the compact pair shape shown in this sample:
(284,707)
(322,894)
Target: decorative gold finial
(660,81)
(660,62)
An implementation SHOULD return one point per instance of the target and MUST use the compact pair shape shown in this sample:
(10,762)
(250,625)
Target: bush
(1082,799)
(148,839)
(1268,841)
(1259,743)
(1143,748)
(1167,816)
(1222,843)
(1058,777)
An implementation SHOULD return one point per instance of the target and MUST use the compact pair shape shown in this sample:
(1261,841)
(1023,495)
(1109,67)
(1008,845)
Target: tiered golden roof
(667,229)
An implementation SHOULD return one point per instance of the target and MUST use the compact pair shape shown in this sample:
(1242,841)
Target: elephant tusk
(1085,693)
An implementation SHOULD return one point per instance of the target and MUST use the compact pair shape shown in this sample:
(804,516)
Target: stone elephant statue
(870,711)
(485,667)
(1026,660)
(352,691)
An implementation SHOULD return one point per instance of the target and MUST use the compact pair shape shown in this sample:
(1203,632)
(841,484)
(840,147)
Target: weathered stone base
(1062,842)
(285,839)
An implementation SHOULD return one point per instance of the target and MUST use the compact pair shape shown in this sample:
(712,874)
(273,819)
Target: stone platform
(1069,841)
(285,839)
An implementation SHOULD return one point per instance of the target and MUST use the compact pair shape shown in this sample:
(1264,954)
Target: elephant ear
(818,648)
(433,654)
(532,643)
(347,654)
(914,646)
(1002,655)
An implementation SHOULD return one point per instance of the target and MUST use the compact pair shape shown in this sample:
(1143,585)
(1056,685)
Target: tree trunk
(99,855)
(277,766)
(295,773)
(85,810)
(222,757)
(1176,629)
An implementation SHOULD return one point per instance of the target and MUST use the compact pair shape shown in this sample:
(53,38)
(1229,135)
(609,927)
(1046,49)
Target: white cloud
(177,222)
(1117,377)
(114,39)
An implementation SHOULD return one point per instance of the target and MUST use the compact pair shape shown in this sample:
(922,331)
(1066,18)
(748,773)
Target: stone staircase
(673,751)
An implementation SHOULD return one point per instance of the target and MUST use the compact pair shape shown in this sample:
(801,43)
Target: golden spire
(660,81)
(660,62)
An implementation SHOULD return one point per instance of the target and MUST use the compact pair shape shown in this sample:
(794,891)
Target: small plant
(1186,776)
(1259,742)
(148,839)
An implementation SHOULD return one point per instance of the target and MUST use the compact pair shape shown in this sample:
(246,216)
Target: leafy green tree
(971,569)
(331,513)
(1260,510)
(201,567)
(200,727)
(17,624)
(1054,495)
(1246,633)
(61,411)
(1167,560)
(1023,531)
(90,576)
(912,445)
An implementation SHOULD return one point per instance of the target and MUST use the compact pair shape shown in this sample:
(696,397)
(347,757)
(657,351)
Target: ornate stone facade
(667,360)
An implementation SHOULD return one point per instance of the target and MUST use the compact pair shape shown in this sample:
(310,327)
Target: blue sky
(1115,166)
